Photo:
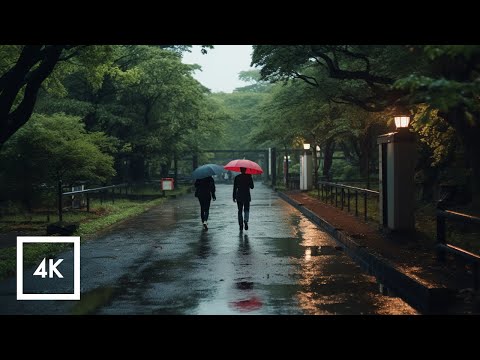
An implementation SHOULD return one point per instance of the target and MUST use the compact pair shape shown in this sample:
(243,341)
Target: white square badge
(52,240)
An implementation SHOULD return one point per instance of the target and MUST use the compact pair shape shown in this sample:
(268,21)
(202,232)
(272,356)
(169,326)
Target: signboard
(167,184)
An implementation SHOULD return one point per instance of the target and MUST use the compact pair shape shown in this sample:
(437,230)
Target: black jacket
(204,187)
(241,187)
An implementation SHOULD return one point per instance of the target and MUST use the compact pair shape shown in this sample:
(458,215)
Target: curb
(426,300)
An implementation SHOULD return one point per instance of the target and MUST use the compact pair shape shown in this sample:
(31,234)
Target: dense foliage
(137,110)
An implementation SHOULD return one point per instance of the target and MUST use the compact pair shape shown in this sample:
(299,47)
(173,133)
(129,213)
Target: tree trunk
(286,168)
(315,165)
(329,148)
(164,169)
(42,59)
(137,168)
(175,167)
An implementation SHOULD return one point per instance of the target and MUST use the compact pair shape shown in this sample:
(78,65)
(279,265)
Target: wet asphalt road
(163,262)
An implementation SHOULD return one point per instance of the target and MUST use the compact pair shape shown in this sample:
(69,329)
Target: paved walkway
(407,253)
(162,262)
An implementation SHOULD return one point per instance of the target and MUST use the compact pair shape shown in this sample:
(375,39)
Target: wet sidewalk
(163,262)
(404,256)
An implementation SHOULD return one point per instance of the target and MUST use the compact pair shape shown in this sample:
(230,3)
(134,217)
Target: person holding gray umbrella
(205,188)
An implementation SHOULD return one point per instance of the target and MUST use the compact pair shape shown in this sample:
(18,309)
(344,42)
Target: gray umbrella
(207,170)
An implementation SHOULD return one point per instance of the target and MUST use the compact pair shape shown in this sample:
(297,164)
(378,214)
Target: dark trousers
(245,206)
(204,207)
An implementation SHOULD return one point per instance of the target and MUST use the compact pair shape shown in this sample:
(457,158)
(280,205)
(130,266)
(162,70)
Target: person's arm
(235,185)
(251,182)
(212,189)
(197,184)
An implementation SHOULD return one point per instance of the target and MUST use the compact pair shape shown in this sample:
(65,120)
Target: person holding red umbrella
(241,195)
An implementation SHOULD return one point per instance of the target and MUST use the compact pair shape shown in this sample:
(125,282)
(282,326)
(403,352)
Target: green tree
(242,109)
(363,74)
(53,148)
(24,69)
(148,100)
(451,88)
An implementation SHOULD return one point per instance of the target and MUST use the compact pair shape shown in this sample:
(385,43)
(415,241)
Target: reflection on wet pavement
(163,262)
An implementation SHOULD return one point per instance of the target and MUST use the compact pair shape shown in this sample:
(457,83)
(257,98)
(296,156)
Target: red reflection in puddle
(251,304)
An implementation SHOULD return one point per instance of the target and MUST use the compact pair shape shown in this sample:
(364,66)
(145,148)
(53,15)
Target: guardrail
(103,190)
(325,192)
(443,248)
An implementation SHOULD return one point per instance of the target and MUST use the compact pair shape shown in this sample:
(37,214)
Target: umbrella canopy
(252,167)
(207,170)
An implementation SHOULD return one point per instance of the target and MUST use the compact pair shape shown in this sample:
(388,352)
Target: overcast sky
(220,67)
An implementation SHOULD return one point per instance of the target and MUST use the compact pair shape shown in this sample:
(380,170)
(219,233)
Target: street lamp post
(317,165)
(397,156)
(306,168)
(286,165)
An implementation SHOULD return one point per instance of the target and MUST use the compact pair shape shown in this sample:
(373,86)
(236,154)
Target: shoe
(241,227)
(246,225)
(205,225)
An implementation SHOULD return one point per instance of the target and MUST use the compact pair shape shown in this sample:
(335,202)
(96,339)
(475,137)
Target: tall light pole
(317,164)
(397,156)
(306,168)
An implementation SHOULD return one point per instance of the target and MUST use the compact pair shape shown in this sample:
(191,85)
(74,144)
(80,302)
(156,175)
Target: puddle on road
(244,285)
(93,300)
(247,305)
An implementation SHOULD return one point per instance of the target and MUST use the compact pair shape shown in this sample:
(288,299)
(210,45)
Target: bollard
(348,201)
(441,238)
(356,203)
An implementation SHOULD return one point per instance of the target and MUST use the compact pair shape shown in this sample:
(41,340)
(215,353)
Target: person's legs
(246,210)
(206,208)
(202,210)
(240,215)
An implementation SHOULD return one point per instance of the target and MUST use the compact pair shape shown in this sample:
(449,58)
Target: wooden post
(365,205)
(441,236)
(175,167)
(60,201)
(356,203)
(348,196)
(342,196)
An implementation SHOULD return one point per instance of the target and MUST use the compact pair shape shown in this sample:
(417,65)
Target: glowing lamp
(402,121)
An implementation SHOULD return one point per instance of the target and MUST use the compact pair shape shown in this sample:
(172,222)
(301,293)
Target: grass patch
(109,214)
(100,217)
(32,254)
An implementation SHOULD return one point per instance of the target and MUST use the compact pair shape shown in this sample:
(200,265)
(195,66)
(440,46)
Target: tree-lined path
(162,262)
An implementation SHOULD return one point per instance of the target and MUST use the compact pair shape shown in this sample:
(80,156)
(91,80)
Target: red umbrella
(252,167)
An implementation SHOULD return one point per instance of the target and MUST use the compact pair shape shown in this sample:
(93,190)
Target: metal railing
(103,190)
(325,193)
(443,247)
(294,182)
